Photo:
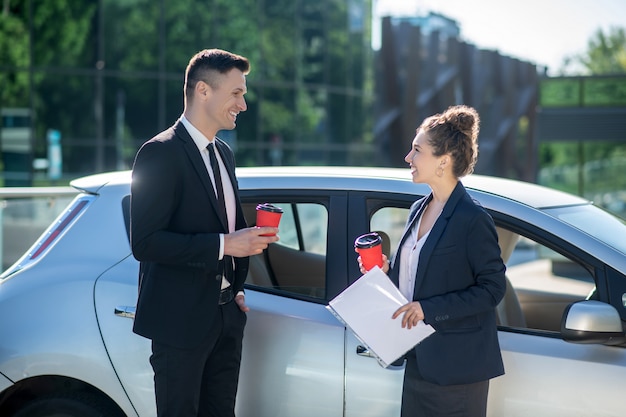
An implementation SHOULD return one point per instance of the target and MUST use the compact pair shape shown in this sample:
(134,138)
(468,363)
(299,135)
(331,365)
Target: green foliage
(591,169)
(14,52)
(309,81)
(61,31)
(606,53)
(60,34)
(277,116)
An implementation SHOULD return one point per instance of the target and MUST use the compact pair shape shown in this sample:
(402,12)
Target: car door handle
(125,311)
(363,351)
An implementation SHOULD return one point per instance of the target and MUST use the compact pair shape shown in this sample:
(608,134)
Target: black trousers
(201,382)
(421,398)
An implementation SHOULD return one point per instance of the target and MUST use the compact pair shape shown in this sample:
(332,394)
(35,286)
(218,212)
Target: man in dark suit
(190,236)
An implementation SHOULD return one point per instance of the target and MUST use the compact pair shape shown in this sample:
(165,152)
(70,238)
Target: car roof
(91,184)
(363,179)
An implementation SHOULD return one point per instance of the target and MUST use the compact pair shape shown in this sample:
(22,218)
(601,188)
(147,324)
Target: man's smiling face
(224,102)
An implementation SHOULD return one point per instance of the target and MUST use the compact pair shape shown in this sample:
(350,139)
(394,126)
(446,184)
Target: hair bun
(463,118)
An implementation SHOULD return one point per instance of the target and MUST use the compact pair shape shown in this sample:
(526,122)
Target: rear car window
(51,235)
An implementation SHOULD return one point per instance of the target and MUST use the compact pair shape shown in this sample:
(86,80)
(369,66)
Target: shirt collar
(199,139)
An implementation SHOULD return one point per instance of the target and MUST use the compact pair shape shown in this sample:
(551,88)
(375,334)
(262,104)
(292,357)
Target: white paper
(366,308)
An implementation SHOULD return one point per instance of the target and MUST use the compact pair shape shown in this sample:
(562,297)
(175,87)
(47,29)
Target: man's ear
(202,90)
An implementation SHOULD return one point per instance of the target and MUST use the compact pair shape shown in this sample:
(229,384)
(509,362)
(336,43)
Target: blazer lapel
(435,234)
(410,224)
(227,157)
(198,165)
(222,149)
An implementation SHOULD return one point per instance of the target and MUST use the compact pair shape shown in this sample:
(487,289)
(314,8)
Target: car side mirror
(591,321)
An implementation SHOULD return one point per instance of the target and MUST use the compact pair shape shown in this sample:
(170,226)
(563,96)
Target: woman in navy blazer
(448,264)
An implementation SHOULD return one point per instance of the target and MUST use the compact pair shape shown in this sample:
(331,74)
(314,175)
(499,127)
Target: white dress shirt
(201,142)
(409,258)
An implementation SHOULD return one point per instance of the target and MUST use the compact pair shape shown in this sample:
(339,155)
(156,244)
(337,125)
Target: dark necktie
(221,204)
(218,183)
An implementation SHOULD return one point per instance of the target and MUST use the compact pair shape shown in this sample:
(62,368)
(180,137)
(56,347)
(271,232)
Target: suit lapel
(410,224)
(435,234)
(229,163)
(198,165)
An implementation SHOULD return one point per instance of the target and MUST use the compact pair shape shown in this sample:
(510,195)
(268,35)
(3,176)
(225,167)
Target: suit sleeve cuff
(221,254)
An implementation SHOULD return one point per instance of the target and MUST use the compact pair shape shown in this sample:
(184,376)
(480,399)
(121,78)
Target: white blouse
(409,258)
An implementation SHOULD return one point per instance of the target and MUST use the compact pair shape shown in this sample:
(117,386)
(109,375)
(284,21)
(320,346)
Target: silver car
(66,307)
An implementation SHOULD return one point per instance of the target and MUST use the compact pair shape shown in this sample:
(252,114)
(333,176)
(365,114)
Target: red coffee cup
(370,247)
(268,215)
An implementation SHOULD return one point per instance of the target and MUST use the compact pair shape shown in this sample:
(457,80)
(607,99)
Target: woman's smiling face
(421,160)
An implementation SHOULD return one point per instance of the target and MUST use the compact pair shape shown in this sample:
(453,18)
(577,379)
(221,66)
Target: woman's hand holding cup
(369,247)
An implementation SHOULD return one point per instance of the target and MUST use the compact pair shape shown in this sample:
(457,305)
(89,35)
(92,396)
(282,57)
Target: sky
(543,32)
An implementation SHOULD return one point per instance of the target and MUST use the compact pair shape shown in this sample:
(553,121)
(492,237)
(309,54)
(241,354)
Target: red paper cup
(268,215)
(370,248)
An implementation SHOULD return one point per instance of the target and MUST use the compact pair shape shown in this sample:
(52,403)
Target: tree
(606,53)
(13,53)
(42,46)
(108,73)
(594,166)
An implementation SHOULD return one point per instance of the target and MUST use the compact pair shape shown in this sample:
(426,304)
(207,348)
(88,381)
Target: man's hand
(248,242)
(240,299)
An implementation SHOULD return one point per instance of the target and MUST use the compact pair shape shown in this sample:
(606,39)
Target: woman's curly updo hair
(455,132)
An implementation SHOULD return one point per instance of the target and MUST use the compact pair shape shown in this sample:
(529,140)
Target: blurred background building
(84,83)
(107,75)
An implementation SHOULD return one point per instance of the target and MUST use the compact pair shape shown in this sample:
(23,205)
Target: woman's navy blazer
(460,281)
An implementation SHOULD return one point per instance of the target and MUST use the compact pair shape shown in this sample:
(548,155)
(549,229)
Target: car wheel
(84,405)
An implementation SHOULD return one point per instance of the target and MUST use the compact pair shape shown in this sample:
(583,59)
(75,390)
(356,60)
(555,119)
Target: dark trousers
(201,382)
(424,399)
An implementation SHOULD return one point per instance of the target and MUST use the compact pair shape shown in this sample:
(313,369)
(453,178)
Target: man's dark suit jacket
(460,280)
(175,229)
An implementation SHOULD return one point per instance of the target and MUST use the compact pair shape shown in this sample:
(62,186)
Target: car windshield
(596,222)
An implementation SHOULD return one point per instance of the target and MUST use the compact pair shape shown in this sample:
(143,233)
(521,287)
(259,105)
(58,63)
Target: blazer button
(218,277)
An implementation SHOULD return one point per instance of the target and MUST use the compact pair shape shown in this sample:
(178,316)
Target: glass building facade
(92,80)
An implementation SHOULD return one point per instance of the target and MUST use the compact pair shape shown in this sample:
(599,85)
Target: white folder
(366,307)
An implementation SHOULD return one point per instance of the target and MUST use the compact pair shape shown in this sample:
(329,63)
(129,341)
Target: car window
(389,222)
(541,283)
(594,221)
(296,264)
(24,219)
(303,227)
